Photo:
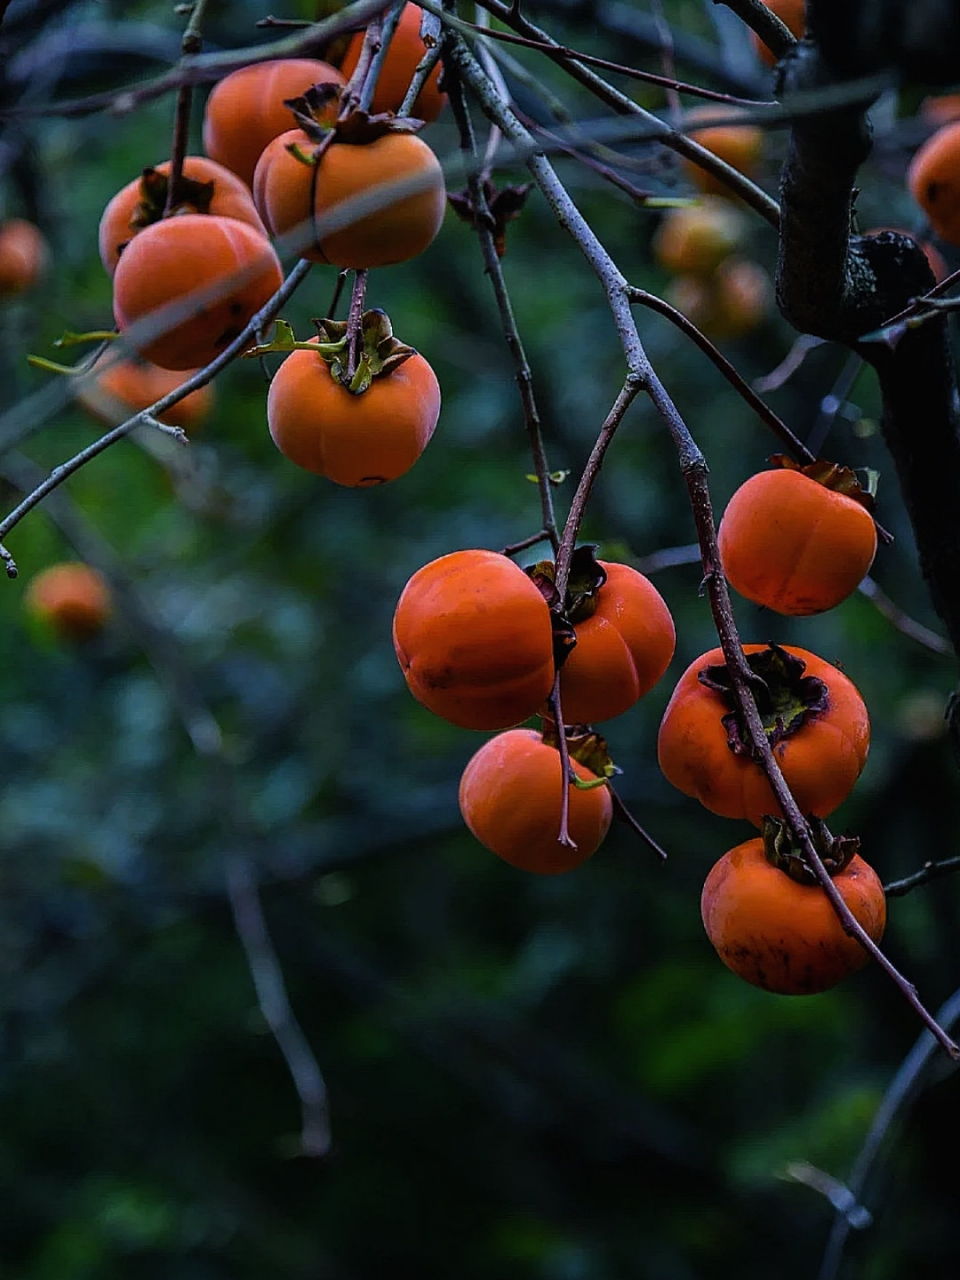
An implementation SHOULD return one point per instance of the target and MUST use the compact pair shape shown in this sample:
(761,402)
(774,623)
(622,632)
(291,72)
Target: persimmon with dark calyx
(201,279)
(792,13)
(624,633)
(405,51)
(697,238)
(474,640)
(933,177)
(24,254)
(361,430)
(792,542)
(209,188)
(814,718)
(312,204)
(70,598)
(739,145)
(246,109)
(510,797)
(770,920)
(117,389)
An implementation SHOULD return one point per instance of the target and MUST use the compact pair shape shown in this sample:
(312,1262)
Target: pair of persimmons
(478,645)
(348,188)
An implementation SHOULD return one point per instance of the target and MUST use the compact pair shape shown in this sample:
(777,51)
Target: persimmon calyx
(503,205)
(192,197)
(782,850)
(315,112)
(379,351)
(832,476)
(584,745)
(586,578)
(285,340)
(786,698)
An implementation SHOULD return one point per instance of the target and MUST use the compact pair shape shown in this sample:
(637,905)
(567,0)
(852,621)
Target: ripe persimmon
(730,303)
(292,196)
(356,439)
(245,110)
(510,797)
(814,718)
(209,189)
(740,145)
(792,541)
(474,639)
(933,177)
(697,238)
(206,276)
(70,598)
(405,52)
(623,647)
(124,387)
(783,934)
(23,255)
(792,14)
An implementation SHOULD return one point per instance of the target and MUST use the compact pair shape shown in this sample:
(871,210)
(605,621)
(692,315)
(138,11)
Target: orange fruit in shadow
(405,52)
(71,598)
(740,145)
(125,387)
(23,255)
(933,177)
(792,14)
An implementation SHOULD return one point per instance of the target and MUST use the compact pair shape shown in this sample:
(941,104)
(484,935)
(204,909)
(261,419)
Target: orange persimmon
(474,639)
(292,197)
(933,177)
(212,189)
(784,935)
(353,439)
(730,303)
(697,238)
(124,387)
(404,53)
(245,110)
(793,544)
(740,145)
(814,718)
(792,14)
(204,276)
(623,648)
(510,797)
(70,598)
(23,255)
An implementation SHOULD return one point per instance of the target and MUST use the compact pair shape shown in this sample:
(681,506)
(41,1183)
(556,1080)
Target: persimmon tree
(370,364)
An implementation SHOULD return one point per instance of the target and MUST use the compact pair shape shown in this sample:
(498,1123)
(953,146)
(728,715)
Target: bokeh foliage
(528,1077)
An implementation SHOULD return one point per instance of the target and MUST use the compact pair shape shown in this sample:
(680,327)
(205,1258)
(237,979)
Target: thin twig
(929,871)
(902,621)
(624,814)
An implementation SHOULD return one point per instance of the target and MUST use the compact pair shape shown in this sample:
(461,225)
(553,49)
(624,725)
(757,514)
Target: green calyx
(783,850)
(376,352)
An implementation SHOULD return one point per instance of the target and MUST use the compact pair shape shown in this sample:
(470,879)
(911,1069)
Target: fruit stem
(354,324)
(566,770)
(191,44)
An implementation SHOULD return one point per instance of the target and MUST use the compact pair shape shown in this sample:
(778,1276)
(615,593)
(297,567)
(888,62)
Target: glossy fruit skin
(125,387)
(405,52)
(354,440)
(792,14)
(820,763)
(198,257)
(933,177)
(23,256)
(740,145)
(793,545)
(698,238)
(622,649)
(231,199)
(288,197)
(245,110)
(474,639)
(785,936)
(510,796)
(71,598)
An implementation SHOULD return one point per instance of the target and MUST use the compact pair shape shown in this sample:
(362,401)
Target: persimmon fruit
(245,110)
(510,797)
(23,256)
(623,648)
(219,272)
(474,640)
(124,387)
(815,720)
(727,305)
(740,145)
(697,238)
(213,190)
(71,598)
(355,440)
(783,935)
(794,545)
(792,14)
(294,198)
(933,177)
(405,51)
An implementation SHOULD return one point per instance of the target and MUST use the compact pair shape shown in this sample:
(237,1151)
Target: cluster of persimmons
(483,642)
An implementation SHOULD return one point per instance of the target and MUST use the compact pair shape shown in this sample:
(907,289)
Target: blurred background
(528,1077)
